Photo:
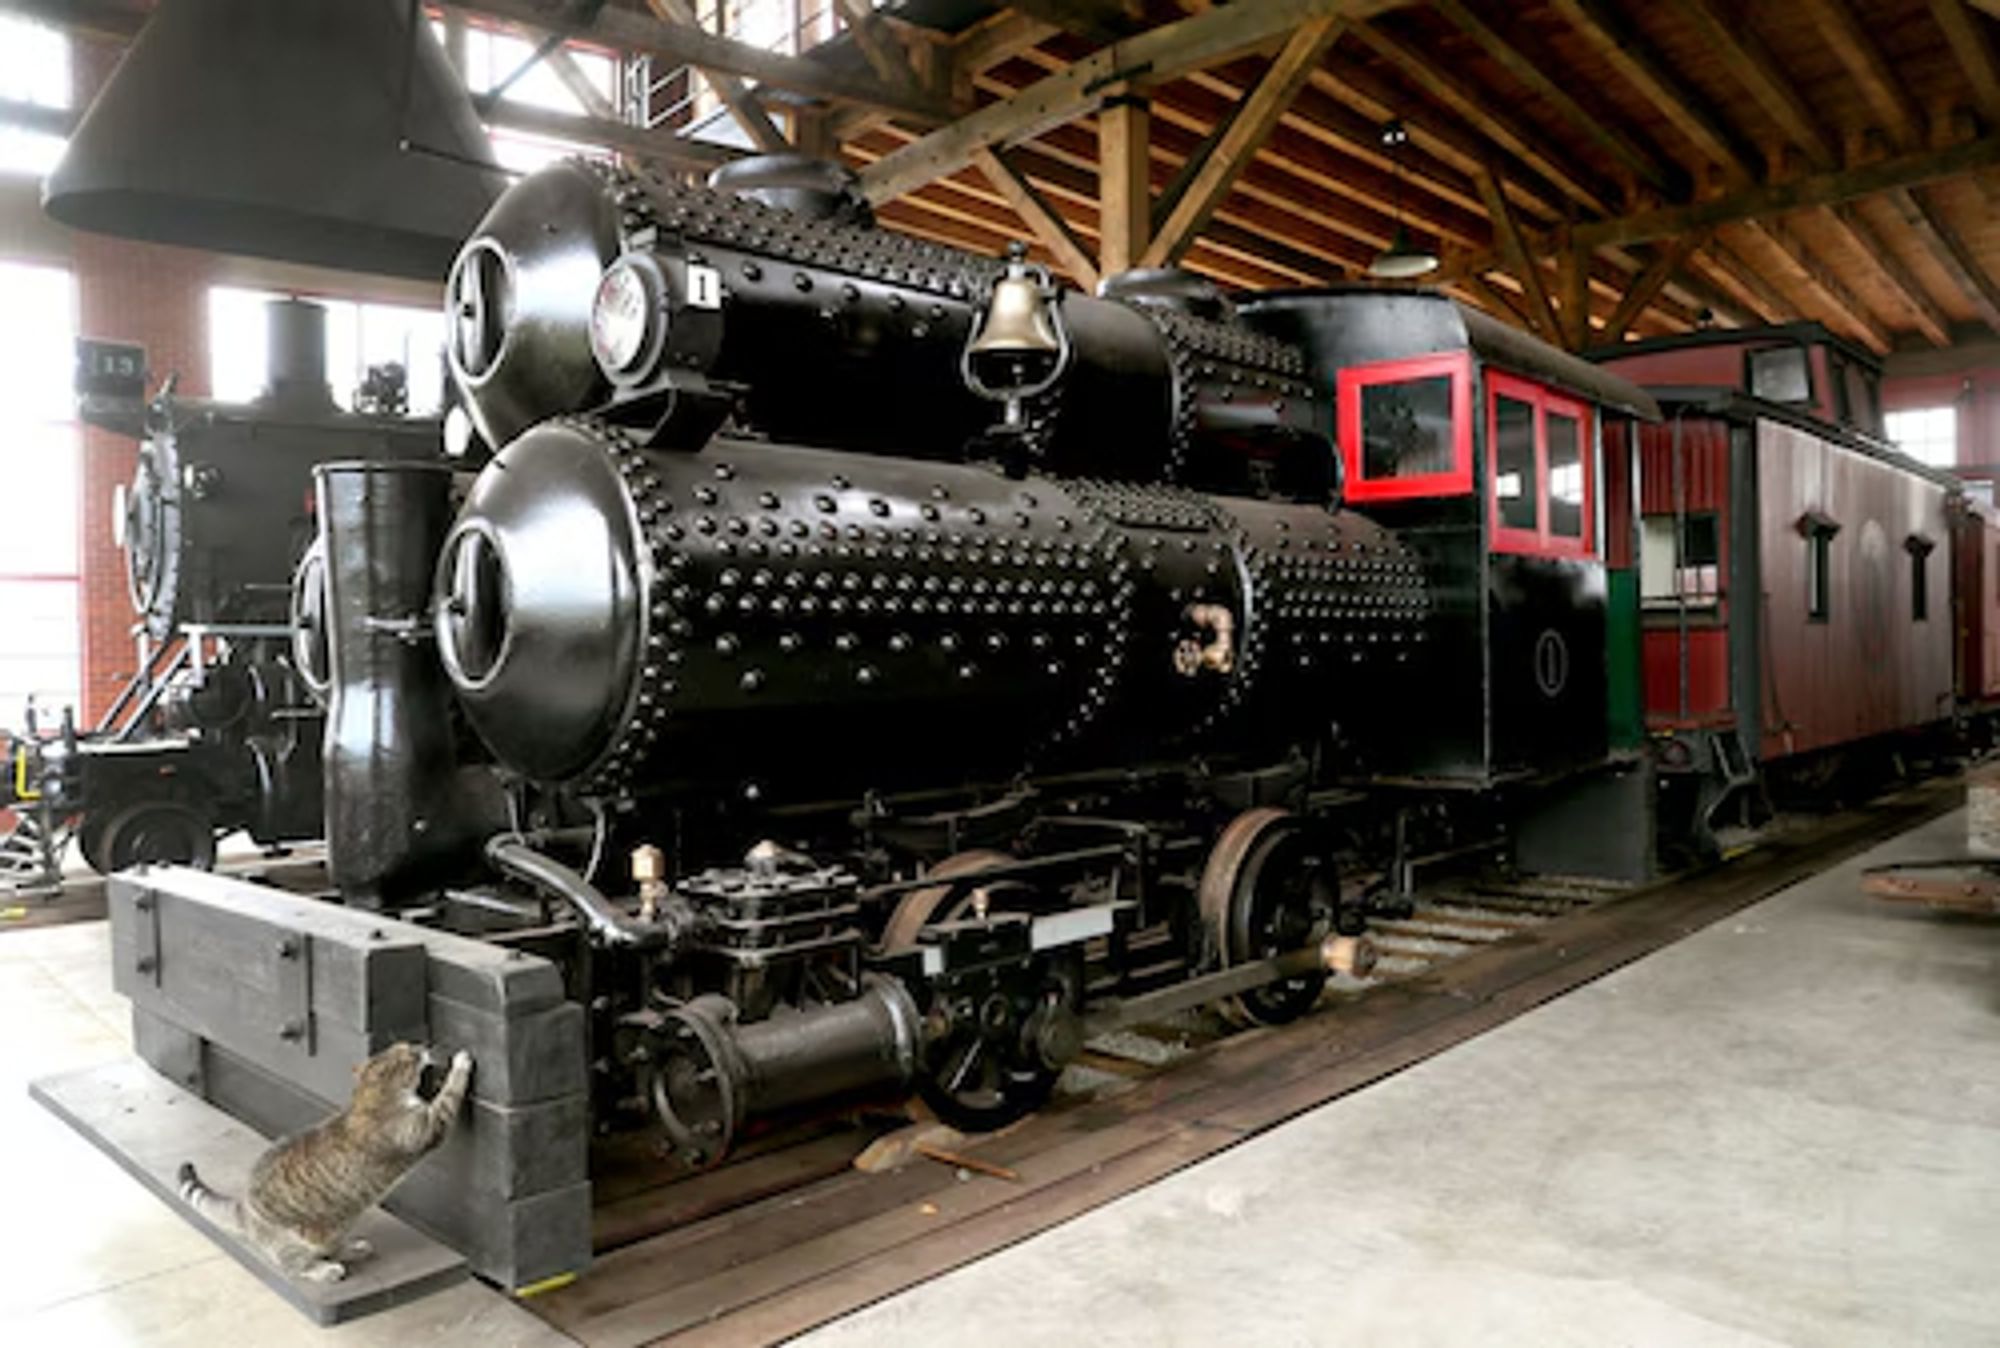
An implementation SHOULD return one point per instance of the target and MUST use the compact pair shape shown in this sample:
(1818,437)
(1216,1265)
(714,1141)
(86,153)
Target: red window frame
(1454,481)
(1539,541)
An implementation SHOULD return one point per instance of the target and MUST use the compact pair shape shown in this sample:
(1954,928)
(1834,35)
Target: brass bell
(1017,321)
(1019,348)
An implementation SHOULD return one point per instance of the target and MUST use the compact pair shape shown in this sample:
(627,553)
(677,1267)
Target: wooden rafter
(1746,283)
(1969,46)
(1493,299)
(1847,222)
(1255,118)
(565,68)
(1843,305)
(1777,198)
(1609,36)
(1594,125)
(1646,286)
(1035,212)
(661,146)
(1746,57)
(1945,248)
(1520,261)
(1835,23)
(743,105)
(1157,54)
(1446,88)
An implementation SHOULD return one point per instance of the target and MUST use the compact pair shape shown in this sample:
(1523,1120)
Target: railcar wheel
(90,830)
(158,832)
(996,1037)
(1269,888)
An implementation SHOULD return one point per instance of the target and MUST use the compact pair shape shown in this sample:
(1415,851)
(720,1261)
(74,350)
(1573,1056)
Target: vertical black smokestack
(296,369)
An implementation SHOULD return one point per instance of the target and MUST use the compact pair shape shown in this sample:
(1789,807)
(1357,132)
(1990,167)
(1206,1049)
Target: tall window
(40,652)
(357,336)
(1927,434)
(34,69)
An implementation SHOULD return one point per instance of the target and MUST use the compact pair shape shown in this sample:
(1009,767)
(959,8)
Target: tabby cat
(306,1191)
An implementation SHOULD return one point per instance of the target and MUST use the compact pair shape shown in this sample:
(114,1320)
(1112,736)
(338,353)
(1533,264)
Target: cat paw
(325,1270)
(461,1061)
(354,1249)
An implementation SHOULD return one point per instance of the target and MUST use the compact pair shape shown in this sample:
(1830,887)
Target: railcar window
(1516,478)
(1689,574)
(1919,549)
(35,70)
(1406,428)
(1565,476)
(1781,374)
(1819,574)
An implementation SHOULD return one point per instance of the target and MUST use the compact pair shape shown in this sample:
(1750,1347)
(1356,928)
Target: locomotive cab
(1481,447)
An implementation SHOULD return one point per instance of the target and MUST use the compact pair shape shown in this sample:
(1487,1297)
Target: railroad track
(792,1236)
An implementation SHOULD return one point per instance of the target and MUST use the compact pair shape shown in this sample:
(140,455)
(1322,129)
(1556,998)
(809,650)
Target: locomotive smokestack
(296,342)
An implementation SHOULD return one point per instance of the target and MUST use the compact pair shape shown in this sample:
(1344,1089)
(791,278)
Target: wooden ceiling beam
(1482,113)
(744,106)
(1520,261)
(1608,35)
(1594,125)
(886,56)
(1246,131)
(1156,55)
(1035,212)
(1836,24)
(1746,57)
(1847,222)
(1844,307)
(1778,198)
(1970,47)
(1946,249)
(1494,300)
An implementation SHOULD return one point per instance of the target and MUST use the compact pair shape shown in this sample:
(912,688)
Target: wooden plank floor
(797,1258)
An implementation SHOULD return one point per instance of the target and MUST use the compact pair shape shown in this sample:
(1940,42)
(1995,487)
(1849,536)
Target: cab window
(1405,427)
(1539,469)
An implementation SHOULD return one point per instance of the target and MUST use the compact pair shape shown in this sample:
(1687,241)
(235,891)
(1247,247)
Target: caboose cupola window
(1406,427)
(1539,462)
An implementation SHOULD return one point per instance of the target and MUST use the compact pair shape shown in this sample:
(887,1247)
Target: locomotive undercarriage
(861,964)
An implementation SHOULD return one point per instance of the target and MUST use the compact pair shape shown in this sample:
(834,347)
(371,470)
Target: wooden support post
(1124,190)
(1576,299)
(1038,215)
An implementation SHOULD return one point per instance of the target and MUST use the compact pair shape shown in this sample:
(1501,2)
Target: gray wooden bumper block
(219,971)
(150,1126)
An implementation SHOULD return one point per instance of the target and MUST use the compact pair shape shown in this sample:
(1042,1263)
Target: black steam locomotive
(866,668)
(1016,637)
(215,731)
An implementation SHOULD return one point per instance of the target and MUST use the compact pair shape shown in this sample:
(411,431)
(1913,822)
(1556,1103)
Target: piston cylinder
(708,1075)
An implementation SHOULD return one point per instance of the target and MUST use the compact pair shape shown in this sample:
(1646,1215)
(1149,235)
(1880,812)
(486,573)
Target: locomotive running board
(149,1126)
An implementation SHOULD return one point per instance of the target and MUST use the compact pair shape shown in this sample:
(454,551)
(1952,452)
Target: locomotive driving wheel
(1269,887)
(997,1034)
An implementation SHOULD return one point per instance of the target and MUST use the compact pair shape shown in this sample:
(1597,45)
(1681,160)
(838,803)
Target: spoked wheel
(158,832)
(1269,887)
(996,1034)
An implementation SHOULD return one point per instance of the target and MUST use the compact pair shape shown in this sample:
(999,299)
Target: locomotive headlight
(623,316)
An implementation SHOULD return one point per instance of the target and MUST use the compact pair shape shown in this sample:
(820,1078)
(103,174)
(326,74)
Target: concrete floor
(1783,1130)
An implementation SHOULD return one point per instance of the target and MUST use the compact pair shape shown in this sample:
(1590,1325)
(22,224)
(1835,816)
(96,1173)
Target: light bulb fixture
(1403,259)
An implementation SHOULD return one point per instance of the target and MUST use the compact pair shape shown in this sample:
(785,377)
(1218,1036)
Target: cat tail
(226,1213)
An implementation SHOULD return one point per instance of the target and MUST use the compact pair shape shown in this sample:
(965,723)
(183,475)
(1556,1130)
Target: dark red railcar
(1796,573)
(1975,548)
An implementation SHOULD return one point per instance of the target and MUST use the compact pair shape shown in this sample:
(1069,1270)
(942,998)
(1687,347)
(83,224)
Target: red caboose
(1795,571)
